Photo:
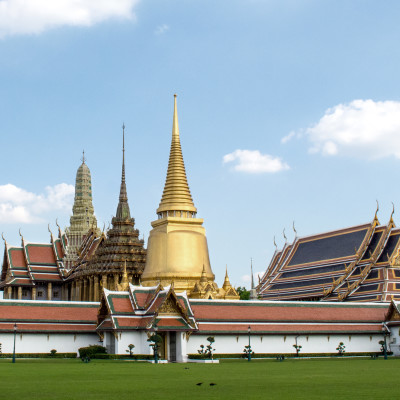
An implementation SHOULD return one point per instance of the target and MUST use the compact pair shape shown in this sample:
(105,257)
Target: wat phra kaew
(89,286)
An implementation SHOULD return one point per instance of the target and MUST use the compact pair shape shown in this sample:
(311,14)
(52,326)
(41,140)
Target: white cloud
(20,206)
(254,162)
(35,16)
(160,30)
(362,128)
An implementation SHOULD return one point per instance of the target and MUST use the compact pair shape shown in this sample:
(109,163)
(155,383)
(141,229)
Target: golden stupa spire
(227,283)
(176,195)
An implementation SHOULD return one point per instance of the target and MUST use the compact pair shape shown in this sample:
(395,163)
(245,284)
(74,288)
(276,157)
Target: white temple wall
(284,343)
(43,342)
(137,338)
(278,344)
(394,341)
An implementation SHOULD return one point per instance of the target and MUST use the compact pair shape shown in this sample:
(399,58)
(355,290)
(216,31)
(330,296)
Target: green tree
(341,348)
(130,349)
(243,293)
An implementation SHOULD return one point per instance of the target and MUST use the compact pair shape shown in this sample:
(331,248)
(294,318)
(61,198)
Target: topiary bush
(91,350)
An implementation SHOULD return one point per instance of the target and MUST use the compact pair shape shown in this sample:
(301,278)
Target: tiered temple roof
(235,316)
(34,269)
(48,317)
(144,307)
(360,263)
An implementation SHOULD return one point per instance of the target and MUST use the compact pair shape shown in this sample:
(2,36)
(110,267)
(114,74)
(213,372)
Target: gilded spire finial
(227,283)
(203,278)
(377,209)
(391,215)
(83,157)
(176,195)
(123,211)
(123,196)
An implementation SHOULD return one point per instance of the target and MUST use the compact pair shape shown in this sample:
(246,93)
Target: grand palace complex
(87,285)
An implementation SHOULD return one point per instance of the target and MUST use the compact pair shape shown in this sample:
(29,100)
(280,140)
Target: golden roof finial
(176,195)
(203,278)
(227,283)
(391,215)
(376,212)
(124,285)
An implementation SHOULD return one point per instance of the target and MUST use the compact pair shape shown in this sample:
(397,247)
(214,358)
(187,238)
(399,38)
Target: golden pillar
(96,288)
(49,291)
(73,291)
(79,291)
(84,297)
(104,281)
(177,248)
(116,280)
(33,293)
(90,288)
(19,292)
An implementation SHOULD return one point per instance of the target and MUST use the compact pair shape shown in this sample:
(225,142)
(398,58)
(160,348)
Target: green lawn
(261,379)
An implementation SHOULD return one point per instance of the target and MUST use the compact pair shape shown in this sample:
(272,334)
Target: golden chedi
(177,248)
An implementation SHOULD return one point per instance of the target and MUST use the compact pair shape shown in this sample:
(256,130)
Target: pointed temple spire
(176,195)
(252,275)
(227,283)
(83,218)
(123,211)
(253,291)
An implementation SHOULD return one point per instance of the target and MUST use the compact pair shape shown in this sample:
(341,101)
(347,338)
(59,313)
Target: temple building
(103,260)
(360,263)
(177,248)
(34,271)
(37,271)
(83,217)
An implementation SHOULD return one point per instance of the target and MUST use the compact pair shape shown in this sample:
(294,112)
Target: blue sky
(288,110)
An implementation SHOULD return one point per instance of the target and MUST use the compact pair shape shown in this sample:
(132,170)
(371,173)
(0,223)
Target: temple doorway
(172,347)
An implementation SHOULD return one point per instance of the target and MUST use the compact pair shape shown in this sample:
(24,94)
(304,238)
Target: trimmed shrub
(91,350)
(286,355)
(103,356)
(39,355)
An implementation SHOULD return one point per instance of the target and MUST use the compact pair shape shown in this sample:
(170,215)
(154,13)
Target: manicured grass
(258,379)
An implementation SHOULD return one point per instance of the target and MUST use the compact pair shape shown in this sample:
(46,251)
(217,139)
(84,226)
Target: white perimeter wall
(66,343)
(284,344)
(394,341)
(43,342)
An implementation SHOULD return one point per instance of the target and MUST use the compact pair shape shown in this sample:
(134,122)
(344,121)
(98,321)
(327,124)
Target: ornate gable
(393,314)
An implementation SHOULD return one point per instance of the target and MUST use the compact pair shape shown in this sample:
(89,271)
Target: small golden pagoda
(177,248)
